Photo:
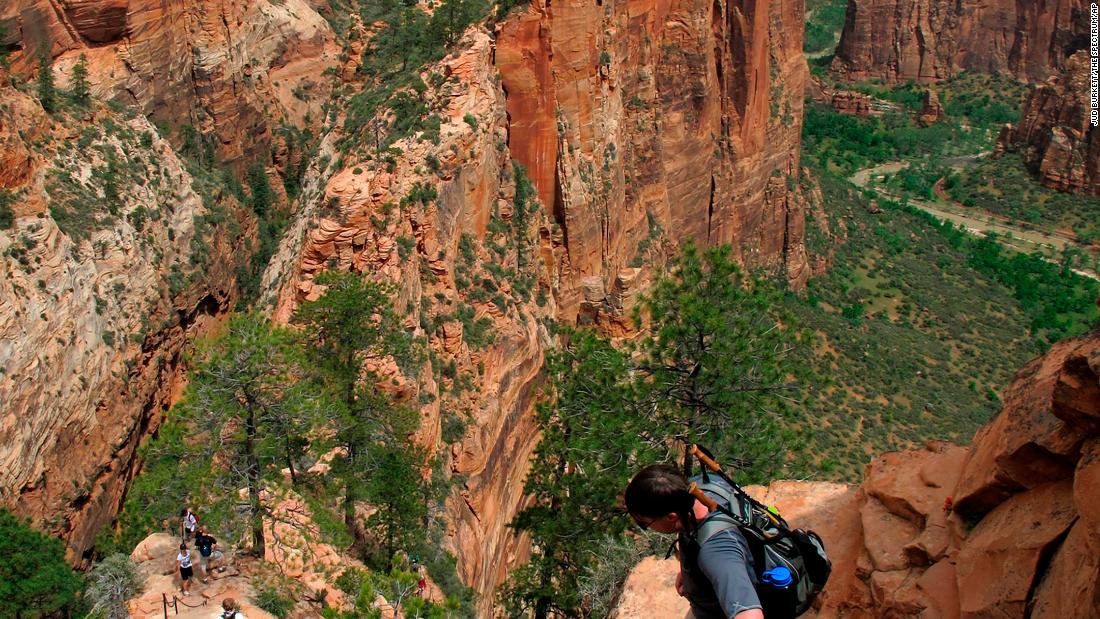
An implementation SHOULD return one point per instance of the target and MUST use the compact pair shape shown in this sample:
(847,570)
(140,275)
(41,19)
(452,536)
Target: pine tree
(713,366)
(81,92)
(352,330)
(249,404)
(47,93)
(716,362)
(595,429)
(34,578)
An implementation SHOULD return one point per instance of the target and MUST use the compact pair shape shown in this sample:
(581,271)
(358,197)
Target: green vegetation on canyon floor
(1005,187)
(919,324)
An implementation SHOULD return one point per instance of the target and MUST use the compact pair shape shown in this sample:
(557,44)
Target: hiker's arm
(726,562)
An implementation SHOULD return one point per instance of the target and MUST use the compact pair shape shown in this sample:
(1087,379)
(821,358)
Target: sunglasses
(644,523)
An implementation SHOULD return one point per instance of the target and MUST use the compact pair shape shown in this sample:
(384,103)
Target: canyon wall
(234,70)
(640,126)
(647,124)
(119,255)
(109,269)
(1008,527)
(470,260)
(930,40)
(1055,135)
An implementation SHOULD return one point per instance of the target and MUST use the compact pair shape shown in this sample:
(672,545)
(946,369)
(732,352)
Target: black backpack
(770,539)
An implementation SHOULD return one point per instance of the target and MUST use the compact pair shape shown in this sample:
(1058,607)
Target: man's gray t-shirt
(724,583)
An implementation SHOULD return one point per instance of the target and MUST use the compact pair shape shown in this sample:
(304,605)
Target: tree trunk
(253,462)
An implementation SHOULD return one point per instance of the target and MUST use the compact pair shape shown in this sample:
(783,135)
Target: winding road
(978,223)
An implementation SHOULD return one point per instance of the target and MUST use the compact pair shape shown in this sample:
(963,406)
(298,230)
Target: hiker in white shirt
(188,523)
(183,560)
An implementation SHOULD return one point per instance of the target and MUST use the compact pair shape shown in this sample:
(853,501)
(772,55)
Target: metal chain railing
(175,604)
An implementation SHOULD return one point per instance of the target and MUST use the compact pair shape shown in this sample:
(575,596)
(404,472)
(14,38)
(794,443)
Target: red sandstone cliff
(686,126)
(928,40)
(1055,135)
(1021,533)
(658,121)
(640,125)
(97,303)
(230,68)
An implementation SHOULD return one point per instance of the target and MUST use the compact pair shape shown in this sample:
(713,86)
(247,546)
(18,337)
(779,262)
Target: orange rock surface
(1007,527)
(929,40)
(658,121)
(227,67)
(1055,135)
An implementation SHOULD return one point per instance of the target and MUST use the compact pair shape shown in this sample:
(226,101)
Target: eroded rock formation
(684,123)
(113,265)
(99,294)
(231,69)
(439,252)
(1055,135)
(929,40)
(649,122)
(1008,527)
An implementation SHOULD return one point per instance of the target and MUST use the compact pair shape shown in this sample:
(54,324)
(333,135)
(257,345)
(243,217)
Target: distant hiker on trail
(183,560)
(207,554)
(230,610)
(188,523)
(717,578)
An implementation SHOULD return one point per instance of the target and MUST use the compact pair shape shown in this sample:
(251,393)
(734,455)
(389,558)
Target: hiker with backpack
(188,523)
(208,555)
(738,558)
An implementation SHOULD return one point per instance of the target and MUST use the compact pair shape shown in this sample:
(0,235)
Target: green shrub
(7,215)
(111,583)
(35,581)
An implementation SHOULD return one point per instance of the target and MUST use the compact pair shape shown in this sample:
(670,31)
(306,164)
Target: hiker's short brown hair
(658,490)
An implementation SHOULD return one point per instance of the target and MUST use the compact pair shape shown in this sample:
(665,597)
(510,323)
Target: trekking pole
(702,496)
(713,465)
(705,459)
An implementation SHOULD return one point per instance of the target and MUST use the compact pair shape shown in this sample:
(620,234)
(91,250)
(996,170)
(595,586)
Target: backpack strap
(714,525)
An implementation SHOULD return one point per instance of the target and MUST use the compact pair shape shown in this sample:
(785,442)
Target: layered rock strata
(445,253)
(929,40)
(1008,527)
(107,273)
(115,263)
(1055,135)
(644,123)
(234,70)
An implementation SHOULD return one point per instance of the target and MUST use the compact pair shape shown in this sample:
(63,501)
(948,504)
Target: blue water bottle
(777,594)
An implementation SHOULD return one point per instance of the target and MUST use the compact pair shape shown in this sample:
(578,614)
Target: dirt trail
(974,221)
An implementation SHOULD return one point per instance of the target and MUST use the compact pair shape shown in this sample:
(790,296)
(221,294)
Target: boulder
(1027,444)
(998,563)
(1070,588)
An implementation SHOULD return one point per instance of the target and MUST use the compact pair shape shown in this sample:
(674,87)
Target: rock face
(108,276)
(682,123)
(931,110)
(929,40)
(91,329)
(438,252)
(232,69)
(1008,527)
(1055,135)
(644,123)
